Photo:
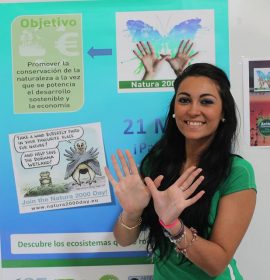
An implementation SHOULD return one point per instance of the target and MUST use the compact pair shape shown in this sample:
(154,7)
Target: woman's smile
(198,108)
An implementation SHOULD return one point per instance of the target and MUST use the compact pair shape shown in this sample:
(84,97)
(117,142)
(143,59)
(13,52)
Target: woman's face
(198,108)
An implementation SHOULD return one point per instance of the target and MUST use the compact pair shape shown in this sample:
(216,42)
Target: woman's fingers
(132,163)
(195,198)
(116,167)
(190,178)
(128,165)
(190,190)
(110,177)
(154,185)
(151,185)
(158,181)
(181,180)
(123,161)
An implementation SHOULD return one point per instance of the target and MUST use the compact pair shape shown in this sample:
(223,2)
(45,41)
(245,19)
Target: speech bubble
(40,158)
(46,139)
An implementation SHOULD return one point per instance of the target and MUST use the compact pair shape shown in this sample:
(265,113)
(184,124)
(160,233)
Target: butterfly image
(263,78)
(163,44)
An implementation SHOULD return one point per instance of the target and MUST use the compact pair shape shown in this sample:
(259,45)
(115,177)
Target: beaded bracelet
(184,250)
(175,239)
(128,227)
(178,237)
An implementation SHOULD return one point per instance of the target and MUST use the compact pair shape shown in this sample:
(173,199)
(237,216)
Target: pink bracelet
(171,225)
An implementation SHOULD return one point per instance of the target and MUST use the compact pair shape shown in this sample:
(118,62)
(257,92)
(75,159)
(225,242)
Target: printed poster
(67,69)
(155,34)
(59,168)
(47,63)
(257,101)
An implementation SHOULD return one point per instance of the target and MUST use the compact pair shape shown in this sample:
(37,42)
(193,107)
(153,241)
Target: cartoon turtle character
(82,162)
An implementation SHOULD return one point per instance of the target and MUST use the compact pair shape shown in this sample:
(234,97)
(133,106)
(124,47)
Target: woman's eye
(183,100)
(207,101)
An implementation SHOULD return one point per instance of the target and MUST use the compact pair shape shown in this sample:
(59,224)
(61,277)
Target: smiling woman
(198,110)
(195,221)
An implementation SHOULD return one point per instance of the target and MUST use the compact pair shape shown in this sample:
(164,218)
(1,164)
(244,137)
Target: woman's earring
(223,120)
(173,115)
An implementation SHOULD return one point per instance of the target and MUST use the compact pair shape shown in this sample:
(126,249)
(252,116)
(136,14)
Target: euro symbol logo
(67,44)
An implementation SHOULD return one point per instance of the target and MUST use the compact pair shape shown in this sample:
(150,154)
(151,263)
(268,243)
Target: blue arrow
(99,52)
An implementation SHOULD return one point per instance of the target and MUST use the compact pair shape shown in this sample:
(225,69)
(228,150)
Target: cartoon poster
(257,101)
(59,168)
(149,43)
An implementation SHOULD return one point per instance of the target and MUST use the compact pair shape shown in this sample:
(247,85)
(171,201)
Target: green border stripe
(146,84)
(75,262)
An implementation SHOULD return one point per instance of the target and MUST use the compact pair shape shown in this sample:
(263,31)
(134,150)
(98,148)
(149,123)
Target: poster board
(65,81)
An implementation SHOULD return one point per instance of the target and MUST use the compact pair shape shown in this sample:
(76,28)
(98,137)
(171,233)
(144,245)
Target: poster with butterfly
(153,46)
(257,101)
(261,78)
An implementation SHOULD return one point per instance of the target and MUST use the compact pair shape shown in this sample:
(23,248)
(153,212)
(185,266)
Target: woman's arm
(127,228)
(132,195)
(234,213)
(233,218)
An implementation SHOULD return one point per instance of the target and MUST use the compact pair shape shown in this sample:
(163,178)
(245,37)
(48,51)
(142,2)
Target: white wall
(249,37)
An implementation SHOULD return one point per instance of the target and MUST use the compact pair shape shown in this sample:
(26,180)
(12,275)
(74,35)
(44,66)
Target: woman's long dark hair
(168,156)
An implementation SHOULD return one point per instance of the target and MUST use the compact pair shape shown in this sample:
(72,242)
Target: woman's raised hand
(170,203)
(132,193)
